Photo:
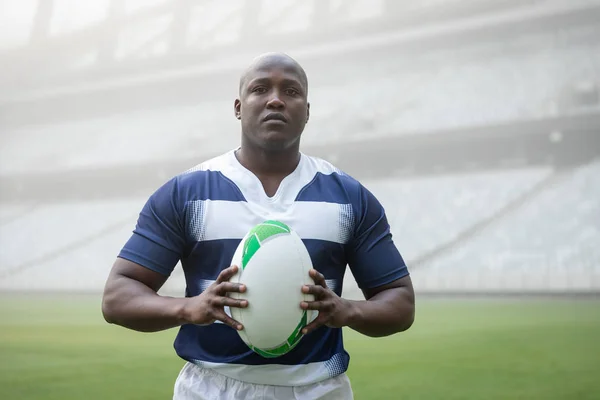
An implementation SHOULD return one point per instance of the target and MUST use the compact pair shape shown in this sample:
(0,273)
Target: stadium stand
(441,92)
(549,242)
(67,245)
(122,139)
(425,94)
(425,214)
(529,228)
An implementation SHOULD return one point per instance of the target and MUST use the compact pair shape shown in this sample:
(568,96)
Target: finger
(317,291)
(314,305)
(223,301)
(226,319)
(317,323)
(317,277)
(229,287)
(227,273)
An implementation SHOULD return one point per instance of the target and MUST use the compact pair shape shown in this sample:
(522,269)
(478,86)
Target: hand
(208,306)
(334,311)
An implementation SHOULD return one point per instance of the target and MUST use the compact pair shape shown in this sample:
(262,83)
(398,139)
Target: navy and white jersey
(199,217)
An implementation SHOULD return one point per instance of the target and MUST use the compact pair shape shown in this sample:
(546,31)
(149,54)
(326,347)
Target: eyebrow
(288,81)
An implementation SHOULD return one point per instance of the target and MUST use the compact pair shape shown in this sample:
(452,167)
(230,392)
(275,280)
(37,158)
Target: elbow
(108,308)
(407,318)
(408,321)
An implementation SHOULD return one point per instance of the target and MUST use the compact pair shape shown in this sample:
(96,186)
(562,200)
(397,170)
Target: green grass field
(60,348)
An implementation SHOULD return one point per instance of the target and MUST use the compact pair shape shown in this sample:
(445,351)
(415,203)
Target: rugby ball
(273,263)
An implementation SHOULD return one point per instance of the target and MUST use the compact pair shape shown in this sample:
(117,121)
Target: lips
(275,117)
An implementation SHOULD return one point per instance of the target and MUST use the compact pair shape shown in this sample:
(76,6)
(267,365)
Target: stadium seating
(550,242)
(72,246)
(134,138)
(425,213)
(431,92)
(437,92)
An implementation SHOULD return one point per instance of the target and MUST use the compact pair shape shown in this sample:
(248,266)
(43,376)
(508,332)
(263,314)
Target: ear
(307,112)
(237,108)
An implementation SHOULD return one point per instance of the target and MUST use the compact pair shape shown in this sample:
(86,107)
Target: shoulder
(323,167)
(330,172)
(333,185)
(211,167)
(204,181)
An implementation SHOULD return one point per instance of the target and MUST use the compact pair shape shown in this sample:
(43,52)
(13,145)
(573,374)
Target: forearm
(133,305)
(386,313)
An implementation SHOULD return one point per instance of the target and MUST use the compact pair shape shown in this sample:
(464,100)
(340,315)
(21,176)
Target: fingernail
(304,331)
(239,327)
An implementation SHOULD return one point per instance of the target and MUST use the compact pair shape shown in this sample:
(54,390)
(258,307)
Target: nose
(275,103)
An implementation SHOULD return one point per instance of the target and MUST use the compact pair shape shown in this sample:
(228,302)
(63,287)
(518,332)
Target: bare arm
(131,300)
(388,309)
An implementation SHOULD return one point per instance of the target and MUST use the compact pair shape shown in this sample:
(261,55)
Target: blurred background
(475,122)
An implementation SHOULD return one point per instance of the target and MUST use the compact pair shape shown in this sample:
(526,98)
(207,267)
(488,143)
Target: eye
(259,89)
(291,92)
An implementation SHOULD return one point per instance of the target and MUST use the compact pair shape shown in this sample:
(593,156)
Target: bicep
(125,269)
(403,285)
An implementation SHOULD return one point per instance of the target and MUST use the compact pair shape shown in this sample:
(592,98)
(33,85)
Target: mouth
(275,117)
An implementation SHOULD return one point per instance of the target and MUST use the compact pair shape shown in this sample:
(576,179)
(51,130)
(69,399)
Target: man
(200,216)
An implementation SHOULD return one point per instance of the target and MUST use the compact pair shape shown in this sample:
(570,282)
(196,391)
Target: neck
(268,163)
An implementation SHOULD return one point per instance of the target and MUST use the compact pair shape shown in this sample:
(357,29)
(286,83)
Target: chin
(276,145)
(277,140)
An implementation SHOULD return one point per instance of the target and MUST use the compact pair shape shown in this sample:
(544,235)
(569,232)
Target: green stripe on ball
(258,235)
(290,343)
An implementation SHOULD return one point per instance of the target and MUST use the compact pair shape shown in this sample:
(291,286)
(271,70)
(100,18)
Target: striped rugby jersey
(200,216)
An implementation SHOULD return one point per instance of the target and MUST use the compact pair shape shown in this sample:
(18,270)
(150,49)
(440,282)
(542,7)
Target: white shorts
(196,383)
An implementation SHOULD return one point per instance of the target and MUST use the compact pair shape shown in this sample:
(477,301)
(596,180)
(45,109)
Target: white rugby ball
(273,263)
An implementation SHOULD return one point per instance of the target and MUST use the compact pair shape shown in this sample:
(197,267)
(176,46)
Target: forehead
(275,70)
